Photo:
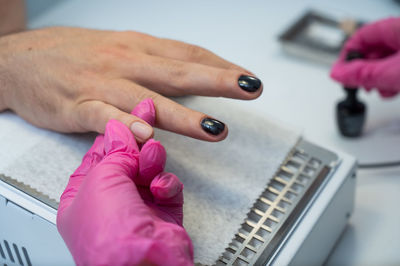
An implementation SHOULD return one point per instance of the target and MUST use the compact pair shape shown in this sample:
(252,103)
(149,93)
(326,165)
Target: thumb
(118,138)
(120,161)
(94,115)
(112,177)
(121,150)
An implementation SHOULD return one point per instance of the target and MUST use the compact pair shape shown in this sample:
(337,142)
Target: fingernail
(212,126)
(141,131)
(249,83)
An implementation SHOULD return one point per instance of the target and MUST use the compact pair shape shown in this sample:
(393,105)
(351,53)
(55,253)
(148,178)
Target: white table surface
(295,91)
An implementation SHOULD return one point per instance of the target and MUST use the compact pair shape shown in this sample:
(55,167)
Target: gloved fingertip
(146,111)
(152,160)
(166,186)
(118,137)
(336,72)
(333,73)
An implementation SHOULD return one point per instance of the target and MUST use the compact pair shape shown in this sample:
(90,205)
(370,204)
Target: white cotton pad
(222,180)
(40,158)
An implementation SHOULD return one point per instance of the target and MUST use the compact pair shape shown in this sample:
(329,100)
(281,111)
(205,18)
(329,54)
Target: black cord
(379,165)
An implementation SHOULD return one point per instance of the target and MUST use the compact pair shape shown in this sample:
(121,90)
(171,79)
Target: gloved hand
(120,208)
(379,43)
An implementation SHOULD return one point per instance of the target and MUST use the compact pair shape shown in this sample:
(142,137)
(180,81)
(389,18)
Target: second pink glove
(379,43)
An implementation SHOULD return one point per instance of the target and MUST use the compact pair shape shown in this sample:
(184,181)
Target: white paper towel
(222,180)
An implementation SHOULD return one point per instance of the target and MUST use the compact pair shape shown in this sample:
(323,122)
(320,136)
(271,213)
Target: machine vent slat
(278,207)
(18,255)
(12,253)
(28,261)
(2,252)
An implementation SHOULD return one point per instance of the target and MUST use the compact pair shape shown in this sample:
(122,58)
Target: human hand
(379,43)
(120,208)
(75,80)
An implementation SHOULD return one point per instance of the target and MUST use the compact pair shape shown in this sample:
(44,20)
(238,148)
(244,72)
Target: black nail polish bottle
(350,112)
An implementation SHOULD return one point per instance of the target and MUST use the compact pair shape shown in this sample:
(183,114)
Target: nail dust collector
(295,218)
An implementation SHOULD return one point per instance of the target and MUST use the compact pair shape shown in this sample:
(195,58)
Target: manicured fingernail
(141,130)
(212,126)
(249,83)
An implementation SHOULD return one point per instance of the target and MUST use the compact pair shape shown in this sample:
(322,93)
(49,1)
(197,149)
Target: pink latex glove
(119,208)
(379,43)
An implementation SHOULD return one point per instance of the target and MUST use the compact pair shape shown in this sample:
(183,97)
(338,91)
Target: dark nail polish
(248,83)
(212,126)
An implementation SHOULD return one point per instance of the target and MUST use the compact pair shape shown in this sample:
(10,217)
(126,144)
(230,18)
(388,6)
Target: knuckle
(110,52)
(120,47)
(88,88)
(123,36)
(90,116)
(123,118)
(73,120)
(195,52)
(133,37)
(104,59)
(83,118)
(132,34)
(176,70)
(177,76)
(145,94)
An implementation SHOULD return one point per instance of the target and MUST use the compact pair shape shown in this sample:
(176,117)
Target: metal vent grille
(13,254)
(279,207)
